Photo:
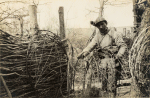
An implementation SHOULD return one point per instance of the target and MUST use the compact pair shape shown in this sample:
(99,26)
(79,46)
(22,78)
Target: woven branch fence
(34,69)
(139,58)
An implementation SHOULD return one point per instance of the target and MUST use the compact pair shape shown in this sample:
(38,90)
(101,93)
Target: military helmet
(99,19)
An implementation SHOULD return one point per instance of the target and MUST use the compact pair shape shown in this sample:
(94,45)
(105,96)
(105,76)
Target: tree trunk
(101,8)
(134,12)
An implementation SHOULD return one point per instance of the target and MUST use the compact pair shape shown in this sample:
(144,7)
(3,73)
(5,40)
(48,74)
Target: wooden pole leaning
(63,36)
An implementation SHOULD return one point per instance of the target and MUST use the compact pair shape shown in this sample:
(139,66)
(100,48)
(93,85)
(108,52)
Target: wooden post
(33,19)
(21,26)
(134,12)
(62,36)
(84,76)
(124,31)
(33,34)
(61,21)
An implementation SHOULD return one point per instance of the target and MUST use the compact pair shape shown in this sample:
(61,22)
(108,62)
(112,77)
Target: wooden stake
(21,26)
(61,21)
(33,19)
(62,36)
(124,32)
(135,14)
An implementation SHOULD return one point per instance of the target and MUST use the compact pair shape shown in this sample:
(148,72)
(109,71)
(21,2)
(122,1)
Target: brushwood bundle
(139,58)
(36,68)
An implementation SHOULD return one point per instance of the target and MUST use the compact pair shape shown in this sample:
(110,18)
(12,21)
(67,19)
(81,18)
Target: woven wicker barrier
(139,58)
(34,69)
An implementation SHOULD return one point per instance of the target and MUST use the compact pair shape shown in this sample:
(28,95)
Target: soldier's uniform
(108,63)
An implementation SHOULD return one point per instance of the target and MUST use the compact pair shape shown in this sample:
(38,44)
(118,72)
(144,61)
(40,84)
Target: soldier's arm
(120,43)
(90,46)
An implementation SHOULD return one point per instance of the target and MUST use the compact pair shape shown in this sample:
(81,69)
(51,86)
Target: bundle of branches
(139,58)
(37,68)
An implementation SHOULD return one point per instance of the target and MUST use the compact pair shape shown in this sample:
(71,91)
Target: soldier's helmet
(99,19)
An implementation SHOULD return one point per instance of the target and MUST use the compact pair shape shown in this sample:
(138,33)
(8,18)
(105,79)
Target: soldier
(106,39)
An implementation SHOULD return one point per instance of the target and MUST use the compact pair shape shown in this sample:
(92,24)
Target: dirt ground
(123,89)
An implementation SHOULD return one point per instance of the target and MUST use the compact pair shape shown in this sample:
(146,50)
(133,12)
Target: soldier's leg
(112,82)
(104,79)
(89,78)
(118,72)
(104,75)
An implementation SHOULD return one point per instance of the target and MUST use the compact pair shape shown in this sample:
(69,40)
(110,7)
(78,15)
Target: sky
(79,13)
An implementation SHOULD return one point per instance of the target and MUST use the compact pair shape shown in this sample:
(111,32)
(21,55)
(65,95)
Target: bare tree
(9,13)
(108,2)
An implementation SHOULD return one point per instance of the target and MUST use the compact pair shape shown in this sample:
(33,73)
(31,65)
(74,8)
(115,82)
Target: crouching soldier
(105,39)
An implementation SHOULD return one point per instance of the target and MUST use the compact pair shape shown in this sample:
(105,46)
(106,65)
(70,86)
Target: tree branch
(10,14)
(12,2)
(9,93)
(9,74)
(90,11)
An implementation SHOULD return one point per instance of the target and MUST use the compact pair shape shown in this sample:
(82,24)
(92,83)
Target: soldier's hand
(117,57)
(82,55)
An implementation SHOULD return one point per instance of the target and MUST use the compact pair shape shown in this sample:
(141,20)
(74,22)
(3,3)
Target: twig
(8,74)
(3,68)
(9,94)
(8,45)
(9,14)
(12,2)
(140,2)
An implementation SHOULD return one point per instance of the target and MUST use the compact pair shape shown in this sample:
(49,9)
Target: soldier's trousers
(110,72)
(109,79)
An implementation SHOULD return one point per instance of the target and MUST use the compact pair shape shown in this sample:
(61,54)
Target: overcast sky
(79,13)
